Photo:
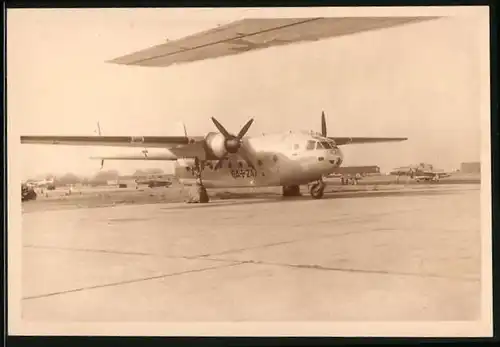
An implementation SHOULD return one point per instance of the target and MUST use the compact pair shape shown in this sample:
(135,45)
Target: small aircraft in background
(421,172)
(49,184)
(154,181)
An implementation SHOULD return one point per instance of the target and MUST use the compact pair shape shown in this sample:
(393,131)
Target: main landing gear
(316,189)
(291,191)
(198,193)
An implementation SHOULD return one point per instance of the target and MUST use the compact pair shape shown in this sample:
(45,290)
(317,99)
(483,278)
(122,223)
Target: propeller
(232,143)
(323,124)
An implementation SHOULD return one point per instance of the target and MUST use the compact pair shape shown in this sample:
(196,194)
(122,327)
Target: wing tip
(127,61)
(118,61)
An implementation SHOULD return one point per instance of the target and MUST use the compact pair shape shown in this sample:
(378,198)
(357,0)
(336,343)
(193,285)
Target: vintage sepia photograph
(249,171)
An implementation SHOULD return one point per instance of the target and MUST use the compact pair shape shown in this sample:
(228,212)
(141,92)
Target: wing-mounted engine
(220,145)
(215,145)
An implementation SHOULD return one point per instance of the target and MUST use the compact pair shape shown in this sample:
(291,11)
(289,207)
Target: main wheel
(203,195)
(317,190)
(198,194)
(291,191)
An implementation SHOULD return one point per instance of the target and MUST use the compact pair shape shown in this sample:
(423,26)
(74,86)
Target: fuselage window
(295,147)
(310,145)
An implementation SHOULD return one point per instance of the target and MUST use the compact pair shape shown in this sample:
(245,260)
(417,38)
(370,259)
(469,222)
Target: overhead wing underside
(255,34)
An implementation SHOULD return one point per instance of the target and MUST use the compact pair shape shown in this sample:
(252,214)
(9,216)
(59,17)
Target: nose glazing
(335,157)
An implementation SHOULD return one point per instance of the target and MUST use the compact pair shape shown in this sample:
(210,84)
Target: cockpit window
(310,145)
(326,145)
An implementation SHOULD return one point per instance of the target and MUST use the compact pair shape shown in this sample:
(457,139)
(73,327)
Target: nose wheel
(317,189)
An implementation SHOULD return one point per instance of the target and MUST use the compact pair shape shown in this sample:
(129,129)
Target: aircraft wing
(175,146)
(138,157)
(253,34)
(360,140)
(113,141)
(439,173)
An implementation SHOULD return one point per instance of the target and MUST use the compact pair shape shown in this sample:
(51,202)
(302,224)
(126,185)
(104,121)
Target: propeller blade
(244,130)
(219,164)
(221,129)
(247,156)
(323,124)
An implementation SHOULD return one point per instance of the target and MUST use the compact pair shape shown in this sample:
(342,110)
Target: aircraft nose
(336,158)
(337,161)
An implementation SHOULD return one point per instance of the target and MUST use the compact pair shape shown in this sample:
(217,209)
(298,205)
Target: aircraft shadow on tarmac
(256,198)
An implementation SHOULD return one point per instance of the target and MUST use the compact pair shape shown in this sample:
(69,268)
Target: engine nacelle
(215,145)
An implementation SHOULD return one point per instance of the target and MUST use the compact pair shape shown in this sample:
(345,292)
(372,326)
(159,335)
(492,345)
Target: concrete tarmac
(398,256)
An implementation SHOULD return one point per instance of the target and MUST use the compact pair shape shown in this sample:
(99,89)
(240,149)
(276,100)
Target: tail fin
(99,133)
(98,130)
(181,129)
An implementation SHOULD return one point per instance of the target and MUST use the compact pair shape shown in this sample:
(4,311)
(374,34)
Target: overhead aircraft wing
(360,140)
(253,34)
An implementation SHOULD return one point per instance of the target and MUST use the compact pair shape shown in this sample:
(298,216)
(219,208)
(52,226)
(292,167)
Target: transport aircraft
(222,159)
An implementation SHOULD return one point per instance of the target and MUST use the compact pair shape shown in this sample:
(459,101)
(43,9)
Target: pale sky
(420,81)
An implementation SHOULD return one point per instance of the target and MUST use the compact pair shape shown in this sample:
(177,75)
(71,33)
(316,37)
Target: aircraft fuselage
(276,160)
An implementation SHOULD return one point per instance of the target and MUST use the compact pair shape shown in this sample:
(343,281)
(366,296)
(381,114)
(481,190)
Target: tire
(291,191)
(317,190)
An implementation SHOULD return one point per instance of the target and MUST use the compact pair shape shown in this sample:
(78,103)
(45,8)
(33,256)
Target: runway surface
(394,256)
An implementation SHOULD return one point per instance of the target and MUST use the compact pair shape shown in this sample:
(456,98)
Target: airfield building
(471,167)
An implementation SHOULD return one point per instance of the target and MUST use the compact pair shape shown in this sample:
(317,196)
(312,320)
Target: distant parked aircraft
(421,172)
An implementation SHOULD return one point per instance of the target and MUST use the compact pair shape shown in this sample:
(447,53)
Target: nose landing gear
(317,189)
